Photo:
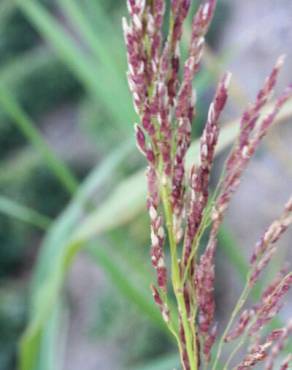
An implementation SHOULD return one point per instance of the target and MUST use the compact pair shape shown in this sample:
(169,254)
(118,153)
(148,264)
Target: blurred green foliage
(112,311)
(41,83)
(12,321)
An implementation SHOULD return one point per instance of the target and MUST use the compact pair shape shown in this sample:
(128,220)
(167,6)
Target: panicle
(184,106)
(251,115)
(205,269)
(270,303)
(240,327)
(269,119)
(153,80)
(268,350)
(274,284)
(165,102)
(259,354)
(278,347)
(265,248)
(204,279)
(201,22)
(199,181)
(171,54)
(249,139)
(240,155)
(261,351)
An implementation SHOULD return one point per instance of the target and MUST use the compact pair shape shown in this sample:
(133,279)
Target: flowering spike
(278,346)
(200,177)
(177,200)
(253,358)
(265,249)
(270,304)
(204,278)
(241,326)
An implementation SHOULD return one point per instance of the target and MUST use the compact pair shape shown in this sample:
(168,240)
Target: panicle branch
(265,248)
(178,201)
(199,179)
(268,350)
(278,347)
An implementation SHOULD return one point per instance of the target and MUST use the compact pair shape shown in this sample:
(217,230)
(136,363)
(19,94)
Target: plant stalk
(177,283)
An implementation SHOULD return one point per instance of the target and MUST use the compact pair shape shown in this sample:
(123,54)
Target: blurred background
(74,257)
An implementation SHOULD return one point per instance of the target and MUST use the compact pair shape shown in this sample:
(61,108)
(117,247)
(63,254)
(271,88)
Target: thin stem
(173,330)
(177,283)
(235,350)
(204,224)
(241,342)
(236,310)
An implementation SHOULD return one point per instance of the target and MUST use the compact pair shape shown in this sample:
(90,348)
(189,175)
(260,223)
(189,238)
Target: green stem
(235,350)
(177,283)
(236,310)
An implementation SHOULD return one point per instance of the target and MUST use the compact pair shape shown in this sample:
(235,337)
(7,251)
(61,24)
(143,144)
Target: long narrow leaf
(91,74)
(13,73)
(50,351)
(22,213)
(97,43)
(18,166)
(49,260)
(27,127)
(166,362)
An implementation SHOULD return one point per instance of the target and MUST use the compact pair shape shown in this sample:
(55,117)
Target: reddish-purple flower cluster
(178,200)
(252,129)
(252,321)
(268,351)
(265,248)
